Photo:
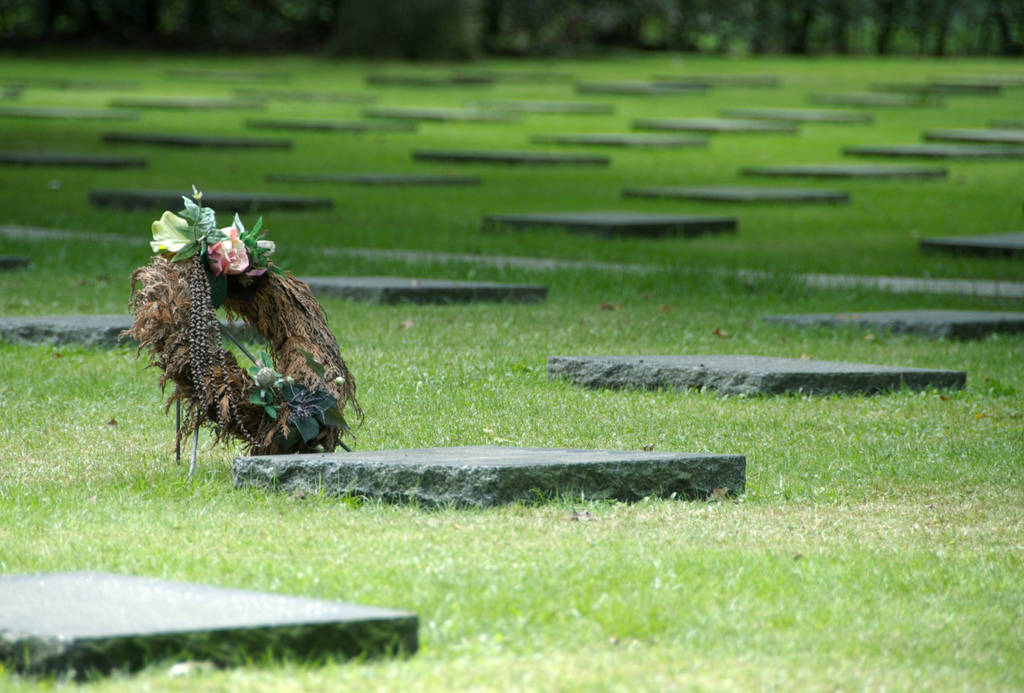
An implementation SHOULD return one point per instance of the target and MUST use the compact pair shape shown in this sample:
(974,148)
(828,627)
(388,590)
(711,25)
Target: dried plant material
(719,332)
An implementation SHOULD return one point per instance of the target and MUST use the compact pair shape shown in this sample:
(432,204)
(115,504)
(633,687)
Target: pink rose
(229,256)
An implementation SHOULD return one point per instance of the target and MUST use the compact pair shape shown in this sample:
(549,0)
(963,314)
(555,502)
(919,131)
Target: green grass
(878,544)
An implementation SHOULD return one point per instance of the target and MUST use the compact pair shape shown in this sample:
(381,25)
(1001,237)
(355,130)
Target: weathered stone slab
(331,125)
(408,290)
(187,104)
(746,375)
(937,151)
(615,224)
(88,330)
(992,136)
(742,193)
(846,171)
(745,125)
(950,88)
(457,79)
(68,113)
(935,324)
(966,86)
(13,262)
(228,75)
(873,99)
(799,115)
(481,156)
(375,178)
(514,76)
(440,114)
(1008,124)
(228,201)
(70,159)
(253,94)
(577,107)
(633,88)
(73,84)
(487,476)
(721,80)
(83,623)
(198,141)
(1000,244)
(622,139)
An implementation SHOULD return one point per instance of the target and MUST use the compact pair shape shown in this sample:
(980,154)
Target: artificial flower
(170,234)
(229,256)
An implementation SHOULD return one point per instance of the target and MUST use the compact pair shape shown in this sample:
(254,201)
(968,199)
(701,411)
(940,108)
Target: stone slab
(188,104)
(742,193)
(440,114)
(874,99)
(991,135)
(713,125)
(410,290)
(101,330)
(68,113)
(622,139)
(634,88)
(481,156)
(575,107)
(937,151)
(73,84)
(515,76)
(456,79)
(375,178)
(615,224)
(950,88)
(70,159)
(1007,124)
(721,80)
(196,141)
(228,75)
(83,623)
(746,375)
(226,201)
(13,262)
(304,96)
(846,171)
(935,324)
(331,125)
(1000,244)
(483,476)
(799,115)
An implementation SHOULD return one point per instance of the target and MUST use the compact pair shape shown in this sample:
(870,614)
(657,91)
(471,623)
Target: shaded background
(465,29)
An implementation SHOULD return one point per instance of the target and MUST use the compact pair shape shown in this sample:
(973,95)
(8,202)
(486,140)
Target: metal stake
(195,452)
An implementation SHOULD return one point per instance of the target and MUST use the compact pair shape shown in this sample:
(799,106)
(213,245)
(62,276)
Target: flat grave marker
(572,107)
(935,324)
(514,76)
(100,330)
(70,159)
(846,171)
(950,88)
(1007,124)
(721,80)
(799,115)
(484,476)
(636,88)
(991,136)
(86,622)
(622,139)
(715,125)
(196,141)
(440,114)
(331,125)
(483,156)
(614,224)
(741,193)
(46,112)
(248,93)
(874,99)
(228,75)
(229,201)
(998,244)
(746,375)
(391,290)
(72,84)
(375,178)
(937,151)
(13,262)
(187,104)
(384,79)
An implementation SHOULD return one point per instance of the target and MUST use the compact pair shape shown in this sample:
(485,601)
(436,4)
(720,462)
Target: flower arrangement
(292,398)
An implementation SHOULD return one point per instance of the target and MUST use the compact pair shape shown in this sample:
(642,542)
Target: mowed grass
(879,543)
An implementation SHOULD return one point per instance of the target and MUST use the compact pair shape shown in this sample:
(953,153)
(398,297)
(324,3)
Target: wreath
(291,399)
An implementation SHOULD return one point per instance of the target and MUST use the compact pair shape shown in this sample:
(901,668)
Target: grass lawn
(880,541)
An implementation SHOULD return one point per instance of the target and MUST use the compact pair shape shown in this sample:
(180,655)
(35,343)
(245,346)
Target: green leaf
(271,411)
(256,227)
(308,428)
(237,223)
(257,398)
(313,364)
(207,222)
(276,270)
(191,212)
(218,288)
(188,251)
(333,417)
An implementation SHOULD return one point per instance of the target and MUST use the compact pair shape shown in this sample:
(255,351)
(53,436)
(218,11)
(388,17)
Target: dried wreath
(290,400)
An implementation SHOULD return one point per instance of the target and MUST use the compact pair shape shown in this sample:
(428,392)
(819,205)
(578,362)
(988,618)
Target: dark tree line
(468,28)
